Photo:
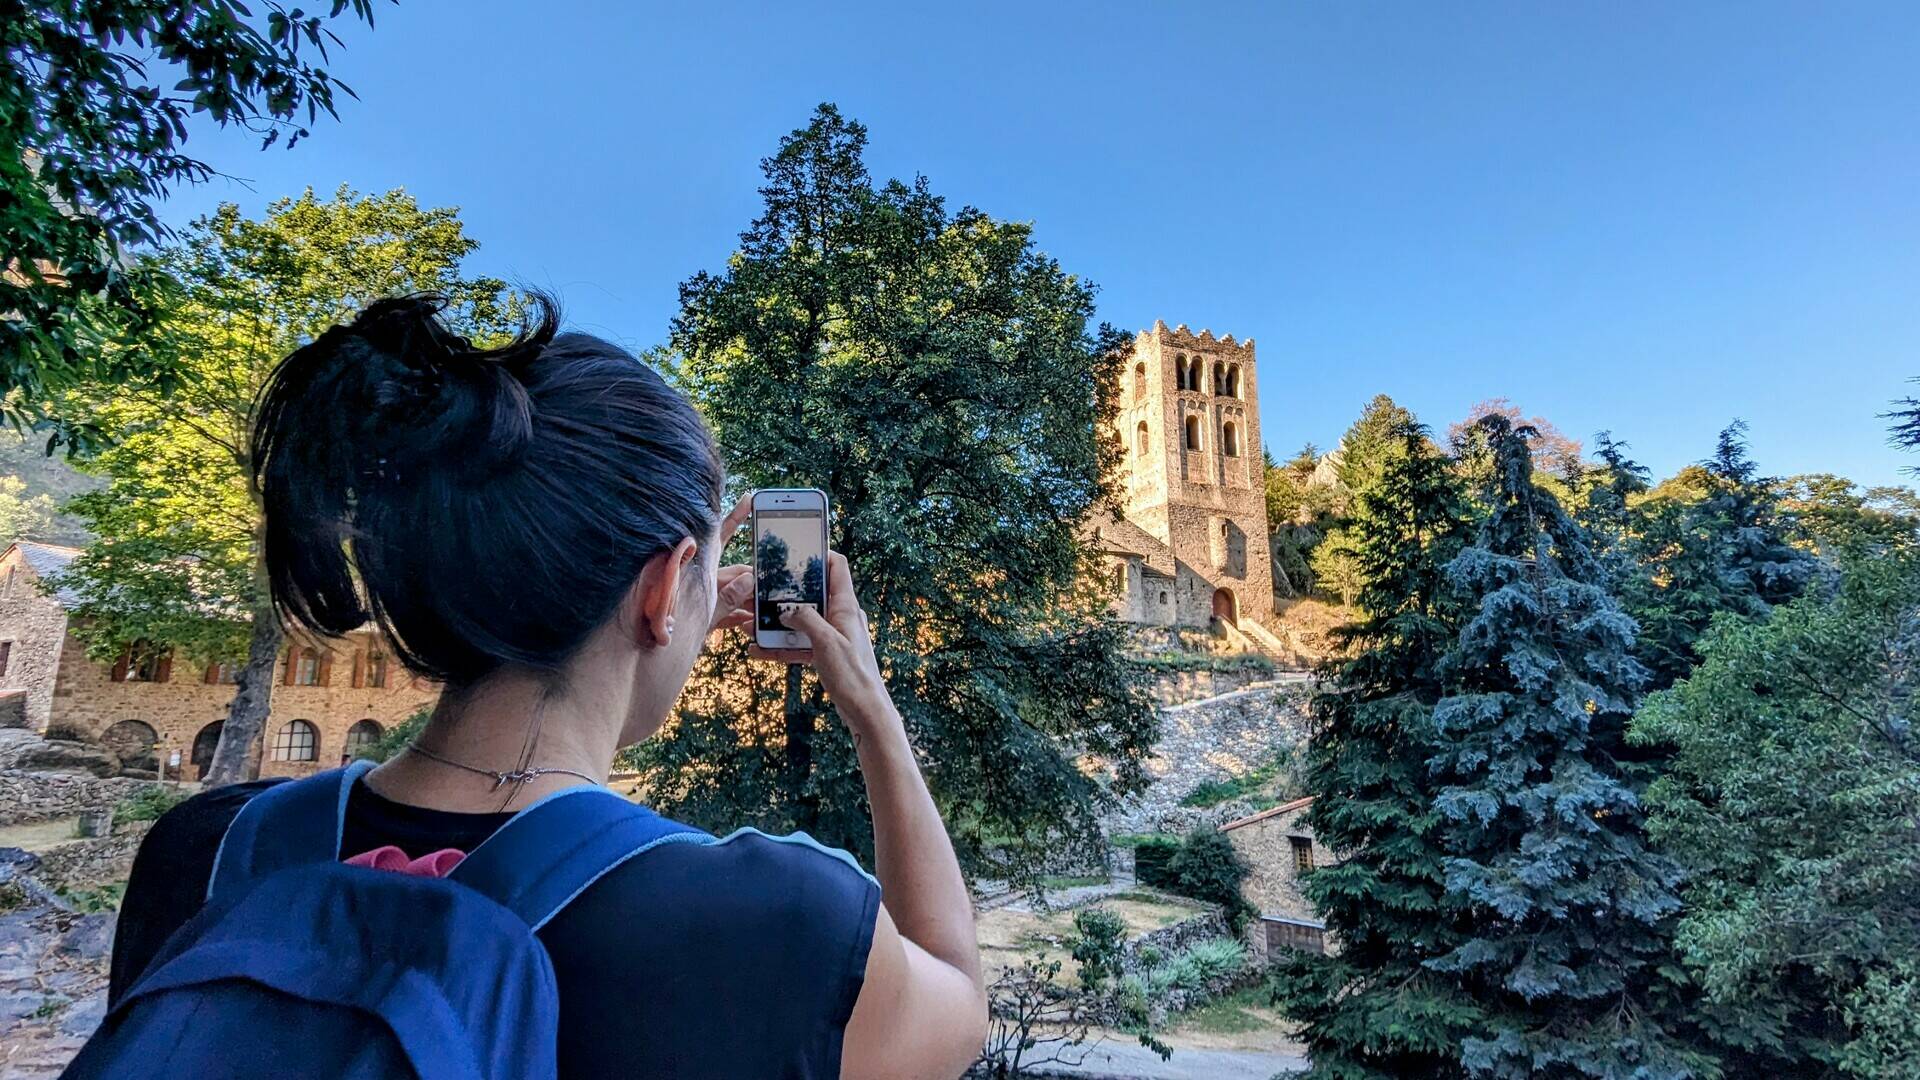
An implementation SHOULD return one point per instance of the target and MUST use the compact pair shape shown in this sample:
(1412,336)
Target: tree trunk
(799,751)
(236,757)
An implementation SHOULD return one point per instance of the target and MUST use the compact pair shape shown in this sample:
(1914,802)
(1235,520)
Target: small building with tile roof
(1279,848)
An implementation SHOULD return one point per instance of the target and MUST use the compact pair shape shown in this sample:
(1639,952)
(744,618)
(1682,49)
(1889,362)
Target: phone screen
(789,562)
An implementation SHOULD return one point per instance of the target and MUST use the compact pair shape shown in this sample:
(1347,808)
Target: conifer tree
(1567,910)
(1723,547)
(1374,1009)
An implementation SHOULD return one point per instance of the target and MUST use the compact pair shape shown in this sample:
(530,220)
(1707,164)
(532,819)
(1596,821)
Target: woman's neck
(508,722)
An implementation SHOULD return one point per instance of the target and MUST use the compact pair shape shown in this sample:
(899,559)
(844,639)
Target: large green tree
(936,375)
(1567,906)
(175,563)
(1374,1008)
(95,96)
(1792,793)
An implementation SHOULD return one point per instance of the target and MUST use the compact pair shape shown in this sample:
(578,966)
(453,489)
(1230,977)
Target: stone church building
(1191,544)
(329,698)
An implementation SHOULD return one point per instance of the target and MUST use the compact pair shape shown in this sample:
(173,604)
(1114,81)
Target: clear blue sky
(1647,218)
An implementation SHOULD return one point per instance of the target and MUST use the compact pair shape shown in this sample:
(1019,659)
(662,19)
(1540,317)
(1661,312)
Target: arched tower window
(1219,378)
(1140,439)
(1180,371)
(1229,440)
(1140,380)
(1193,433)
(1233,381)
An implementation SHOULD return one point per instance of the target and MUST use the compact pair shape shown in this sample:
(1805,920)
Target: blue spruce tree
(1567,910)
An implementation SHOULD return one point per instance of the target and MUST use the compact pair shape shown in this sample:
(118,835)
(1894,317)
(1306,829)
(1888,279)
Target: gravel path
(1124,1059)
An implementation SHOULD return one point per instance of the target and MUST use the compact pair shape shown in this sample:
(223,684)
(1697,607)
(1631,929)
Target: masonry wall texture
(1210,740)
(1271,843)
(33,629)
(180,707)
(42,796)
(1189,423)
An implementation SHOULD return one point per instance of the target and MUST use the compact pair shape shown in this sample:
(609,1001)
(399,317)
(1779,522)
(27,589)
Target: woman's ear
(655,593)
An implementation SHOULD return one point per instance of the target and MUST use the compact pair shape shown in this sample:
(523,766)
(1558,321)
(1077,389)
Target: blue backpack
(302,966)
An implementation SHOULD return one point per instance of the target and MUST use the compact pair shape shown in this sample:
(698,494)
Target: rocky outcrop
(26,751)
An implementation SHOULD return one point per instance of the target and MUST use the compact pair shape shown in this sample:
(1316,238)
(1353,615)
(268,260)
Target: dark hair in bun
(481,506)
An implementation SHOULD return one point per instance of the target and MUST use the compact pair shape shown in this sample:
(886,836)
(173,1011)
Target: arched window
(295,741)
(1229,440)
(1193,433)
(1233,381)
(1140,380)
(306,668)
(132,742)
(376,671)
(1219,378)
(1140,439)
(360,736)
(1180,371)
(1120,578)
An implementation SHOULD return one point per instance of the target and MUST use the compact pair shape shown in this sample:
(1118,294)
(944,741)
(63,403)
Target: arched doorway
(204,743)
(1225,608)
(132,742)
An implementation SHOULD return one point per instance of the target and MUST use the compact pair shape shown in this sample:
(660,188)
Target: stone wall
(86,863)
(1205,924)
(1211,740)
(38,796)
(35,627)
(1180,687)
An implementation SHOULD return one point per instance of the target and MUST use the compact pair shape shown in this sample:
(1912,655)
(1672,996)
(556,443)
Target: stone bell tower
(1190,421)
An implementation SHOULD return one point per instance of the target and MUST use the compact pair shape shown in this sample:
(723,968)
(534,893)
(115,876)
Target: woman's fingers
(841,601)
(804,618)
(736,518)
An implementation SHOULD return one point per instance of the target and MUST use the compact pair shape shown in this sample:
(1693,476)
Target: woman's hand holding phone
(842,650)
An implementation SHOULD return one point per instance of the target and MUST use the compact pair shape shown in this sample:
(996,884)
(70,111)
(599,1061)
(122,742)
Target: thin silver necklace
(515,777)
(519,777)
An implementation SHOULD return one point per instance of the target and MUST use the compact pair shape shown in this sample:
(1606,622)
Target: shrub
(1206,867)
(1153,862)
(397,737)
(148,803)
(1215,959)
(1095,943)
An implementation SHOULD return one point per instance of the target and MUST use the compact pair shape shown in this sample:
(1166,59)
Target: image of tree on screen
(791,563)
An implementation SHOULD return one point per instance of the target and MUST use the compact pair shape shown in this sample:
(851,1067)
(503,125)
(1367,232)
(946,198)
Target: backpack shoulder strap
(286,825)
(550,852)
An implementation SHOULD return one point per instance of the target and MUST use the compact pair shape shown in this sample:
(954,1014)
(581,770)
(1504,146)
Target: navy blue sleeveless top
(740,958)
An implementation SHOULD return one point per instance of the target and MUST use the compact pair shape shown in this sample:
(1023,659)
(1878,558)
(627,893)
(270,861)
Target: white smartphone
(789,561)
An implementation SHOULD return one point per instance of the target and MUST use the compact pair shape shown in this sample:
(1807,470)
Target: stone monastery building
(329,699)
(1191,545)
